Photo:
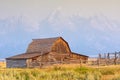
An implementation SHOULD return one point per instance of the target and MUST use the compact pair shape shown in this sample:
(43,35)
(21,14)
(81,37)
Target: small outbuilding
(44,52)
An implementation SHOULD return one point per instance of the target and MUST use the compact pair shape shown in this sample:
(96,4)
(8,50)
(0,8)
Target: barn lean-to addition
(44,52)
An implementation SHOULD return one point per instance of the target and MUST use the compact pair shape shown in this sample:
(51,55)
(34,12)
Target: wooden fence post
(99,59)
(115,60)
(108,58)
(105,59)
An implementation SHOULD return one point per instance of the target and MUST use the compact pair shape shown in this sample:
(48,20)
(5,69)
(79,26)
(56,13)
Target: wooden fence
(105,59)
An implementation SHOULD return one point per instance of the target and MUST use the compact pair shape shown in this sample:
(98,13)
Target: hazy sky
(89,26)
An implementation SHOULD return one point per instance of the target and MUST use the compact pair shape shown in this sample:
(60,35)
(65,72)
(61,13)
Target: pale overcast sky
(89,26)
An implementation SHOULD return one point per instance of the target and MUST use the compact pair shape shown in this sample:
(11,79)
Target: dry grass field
(2,64)
(62,72)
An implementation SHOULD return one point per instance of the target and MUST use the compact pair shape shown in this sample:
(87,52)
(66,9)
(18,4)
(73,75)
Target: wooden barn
(44,52)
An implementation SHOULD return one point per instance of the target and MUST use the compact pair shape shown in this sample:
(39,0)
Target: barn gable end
(60,46)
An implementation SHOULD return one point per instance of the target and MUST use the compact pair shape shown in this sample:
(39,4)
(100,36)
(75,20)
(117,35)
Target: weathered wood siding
(16,63)
(48,59)
(56,58)
(60,46)
(78,57)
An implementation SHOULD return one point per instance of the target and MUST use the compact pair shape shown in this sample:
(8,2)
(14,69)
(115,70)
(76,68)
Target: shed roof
(79,54)
(25,56)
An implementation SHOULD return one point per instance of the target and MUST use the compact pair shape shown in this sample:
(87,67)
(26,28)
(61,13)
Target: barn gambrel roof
(43,45)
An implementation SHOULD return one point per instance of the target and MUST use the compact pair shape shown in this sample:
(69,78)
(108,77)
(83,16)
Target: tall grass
(2,64)
(61,73)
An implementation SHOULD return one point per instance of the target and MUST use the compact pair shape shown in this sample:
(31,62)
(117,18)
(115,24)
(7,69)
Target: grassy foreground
(62,72)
